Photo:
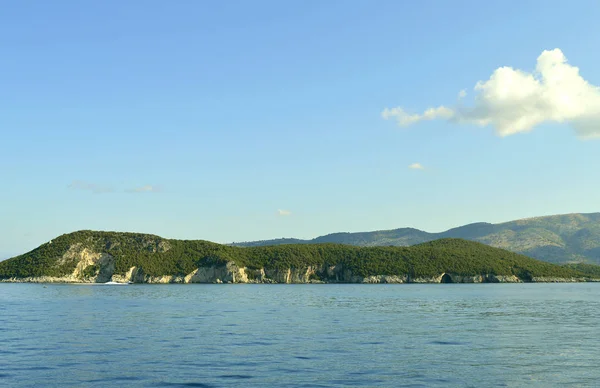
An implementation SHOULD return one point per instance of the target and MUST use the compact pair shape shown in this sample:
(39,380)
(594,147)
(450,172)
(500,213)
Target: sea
(304,335)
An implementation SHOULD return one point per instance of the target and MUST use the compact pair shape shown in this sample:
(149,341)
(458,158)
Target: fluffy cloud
(416,166)
(281,212)
(514,101)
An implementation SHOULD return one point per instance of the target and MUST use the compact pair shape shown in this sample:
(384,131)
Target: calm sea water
(300,335)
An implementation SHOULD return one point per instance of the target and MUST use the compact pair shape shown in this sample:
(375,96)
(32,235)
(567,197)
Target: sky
(239,120)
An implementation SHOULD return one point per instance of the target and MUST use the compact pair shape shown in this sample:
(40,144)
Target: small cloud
(404,119)
(416,166)
(86,186)
(98,189)
(146,189)
(462,94)
(514,101)
(283,213)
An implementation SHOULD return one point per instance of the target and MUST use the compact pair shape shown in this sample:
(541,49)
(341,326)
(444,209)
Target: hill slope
(555,239)
(88,256)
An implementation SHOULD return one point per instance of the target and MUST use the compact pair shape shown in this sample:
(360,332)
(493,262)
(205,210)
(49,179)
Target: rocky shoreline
(231,273)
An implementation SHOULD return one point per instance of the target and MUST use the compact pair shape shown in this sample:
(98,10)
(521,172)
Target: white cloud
(462,94)
(405,119)
(514,101)
(416,166)
(284,213)
(145,189)
(99,189)
(86,186)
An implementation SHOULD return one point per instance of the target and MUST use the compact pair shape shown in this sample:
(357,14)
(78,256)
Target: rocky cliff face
(91,267)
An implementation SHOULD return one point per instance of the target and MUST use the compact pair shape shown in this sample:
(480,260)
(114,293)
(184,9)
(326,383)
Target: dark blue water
(300,335)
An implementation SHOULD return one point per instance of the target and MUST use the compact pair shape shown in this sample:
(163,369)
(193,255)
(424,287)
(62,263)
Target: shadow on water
(448,343)
(236,377)
(114,379)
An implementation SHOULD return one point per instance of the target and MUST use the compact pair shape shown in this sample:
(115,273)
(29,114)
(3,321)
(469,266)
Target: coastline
(232,274)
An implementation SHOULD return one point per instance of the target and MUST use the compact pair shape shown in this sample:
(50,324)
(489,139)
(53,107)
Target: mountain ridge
(561,238)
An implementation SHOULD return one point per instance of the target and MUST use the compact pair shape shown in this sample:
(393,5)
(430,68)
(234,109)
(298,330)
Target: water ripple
(301,336)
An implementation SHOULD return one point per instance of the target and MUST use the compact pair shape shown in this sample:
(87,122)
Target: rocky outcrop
(433,279)
(503,279)
(453,278)
(229,273)
(392,279)
(545,279)
(43,279)
(134,275)
(90,267)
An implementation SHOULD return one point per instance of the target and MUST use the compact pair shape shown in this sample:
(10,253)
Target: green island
(94,257)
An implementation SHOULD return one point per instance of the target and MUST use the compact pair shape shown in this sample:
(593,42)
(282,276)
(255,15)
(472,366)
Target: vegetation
(157,256)
(555,239)
(591,270)
(91,271)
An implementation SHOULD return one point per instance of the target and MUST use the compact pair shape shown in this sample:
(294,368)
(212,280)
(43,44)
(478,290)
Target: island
(98,257)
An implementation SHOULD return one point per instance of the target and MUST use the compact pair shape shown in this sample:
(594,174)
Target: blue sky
(243,120)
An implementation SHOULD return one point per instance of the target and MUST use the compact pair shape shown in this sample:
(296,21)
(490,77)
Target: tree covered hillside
(568,238)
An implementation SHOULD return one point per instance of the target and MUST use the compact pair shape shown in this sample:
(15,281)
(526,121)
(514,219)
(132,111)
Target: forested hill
(565,238)
(90,254)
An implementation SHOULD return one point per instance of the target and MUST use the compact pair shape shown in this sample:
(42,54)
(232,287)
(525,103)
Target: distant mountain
(567,238)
